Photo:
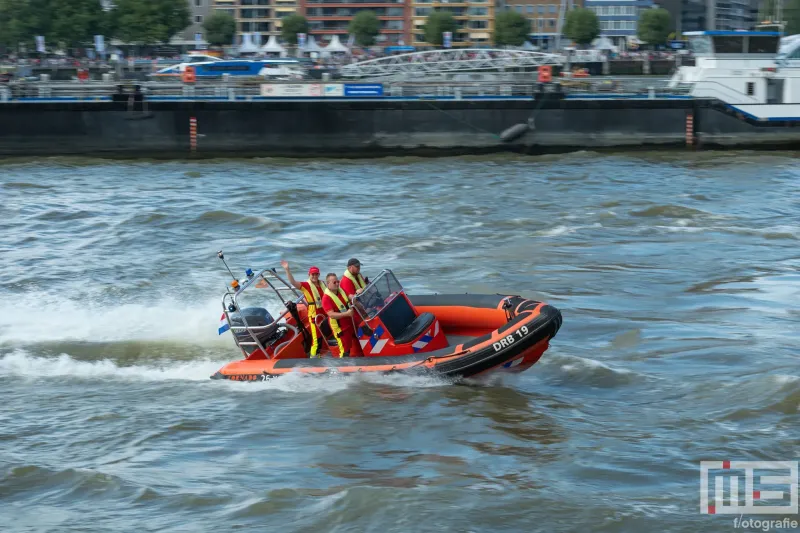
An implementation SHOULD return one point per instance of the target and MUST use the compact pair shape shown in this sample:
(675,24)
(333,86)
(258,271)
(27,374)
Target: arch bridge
(451,60)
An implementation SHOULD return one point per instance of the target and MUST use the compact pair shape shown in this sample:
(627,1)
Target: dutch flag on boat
(223,324)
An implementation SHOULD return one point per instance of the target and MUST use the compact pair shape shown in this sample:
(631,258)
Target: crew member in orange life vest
(340,316)
(352,280)
(312,290)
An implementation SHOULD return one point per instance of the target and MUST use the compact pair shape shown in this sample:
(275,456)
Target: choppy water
(678,277)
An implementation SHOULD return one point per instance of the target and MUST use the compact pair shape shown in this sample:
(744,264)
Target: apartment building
(475,20)
(327,18)
(261,17)
(699,15)
(547,18)
(619,18)
(199,9)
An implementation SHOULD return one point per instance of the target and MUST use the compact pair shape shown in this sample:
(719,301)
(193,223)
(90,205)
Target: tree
(220,28)
(149,21)
(654,26)
(437,23)
(511,29)
(767,11)
(22,20)
(365,26)
(582,26)
(291,26)
(791,13)
(12,25)
(76,22)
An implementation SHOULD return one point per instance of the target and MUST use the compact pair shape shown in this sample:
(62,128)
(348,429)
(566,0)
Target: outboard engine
(256,317)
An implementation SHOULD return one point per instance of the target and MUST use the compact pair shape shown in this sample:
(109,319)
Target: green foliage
(511,29)
(291,26)
(67,22)
(75,22)
(791,13)
(582,26)
(365,26)
(654,26)
(437,23)
(767,11)
(149,21)
(13,24)
(220,28)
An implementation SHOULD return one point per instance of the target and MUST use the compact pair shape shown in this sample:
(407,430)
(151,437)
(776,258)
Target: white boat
(756,73)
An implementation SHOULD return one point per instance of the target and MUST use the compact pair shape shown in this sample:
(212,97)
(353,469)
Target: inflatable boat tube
(485,333)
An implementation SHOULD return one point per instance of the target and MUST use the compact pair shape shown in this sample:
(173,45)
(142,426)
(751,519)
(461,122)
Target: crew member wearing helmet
(313,291)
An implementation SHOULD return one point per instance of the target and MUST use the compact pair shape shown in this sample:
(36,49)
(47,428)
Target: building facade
(619,18)
(200,10)
(701,15)
(547,18)
(262,17)
(327,18)
(475,19)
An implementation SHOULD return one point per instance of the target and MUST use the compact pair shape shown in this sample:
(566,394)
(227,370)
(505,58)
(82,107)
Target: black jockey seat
(415,329)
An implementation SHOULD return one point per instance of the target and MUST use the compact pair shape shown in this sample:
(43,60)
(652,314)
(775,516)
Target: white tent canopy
(248,46)
(273,47)
(311,45)
(604,43)
(336,46)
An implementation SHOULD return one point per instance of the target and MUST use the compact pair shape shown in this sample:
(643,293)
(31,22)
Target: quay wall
(354,128)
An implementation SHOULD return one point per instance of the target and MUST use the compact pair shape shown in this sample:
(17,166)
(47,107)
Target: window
(552,8)
(728,45)
(530,9)
(764,45)
(540,9)
(198,3)
(551,23)
(751,88)
(198,19)
(394,12)
(421,11)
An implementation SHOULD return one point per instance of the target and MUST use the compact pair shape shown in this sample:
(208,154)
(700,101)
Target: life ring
(545,74)
(189,75)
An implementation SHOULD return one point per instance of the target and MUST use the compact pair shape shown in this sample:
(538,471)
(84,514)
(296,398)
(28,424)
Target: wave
(58,215)
(670,211)
(774,393)
(226,217)
(591,372)
(25,185)
(61,320)
(20,364)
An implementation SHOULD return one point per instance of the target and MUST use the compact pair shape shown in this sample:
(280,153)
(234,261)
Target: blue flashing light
(249,273)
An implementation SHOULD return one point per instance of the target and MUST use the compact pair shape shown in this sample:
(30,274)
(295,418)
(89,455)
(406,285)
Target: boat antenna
(222,257)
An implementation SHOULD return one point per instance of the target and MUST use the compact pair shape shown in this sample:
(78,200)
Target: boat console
(390,323)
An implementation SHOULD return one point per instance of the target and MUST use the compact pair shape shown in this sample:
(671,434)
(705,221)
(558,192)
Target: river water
(678,276)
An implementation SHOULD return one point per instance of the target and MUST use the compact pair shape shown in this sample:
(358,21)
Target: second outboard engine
(256,317)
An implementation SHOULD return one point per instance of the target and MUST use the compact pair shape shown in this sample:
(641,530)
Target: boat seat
(415,329)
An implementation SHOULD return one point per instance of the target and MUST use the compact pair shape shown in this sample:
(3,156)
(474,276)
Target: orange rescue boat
(452,335)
